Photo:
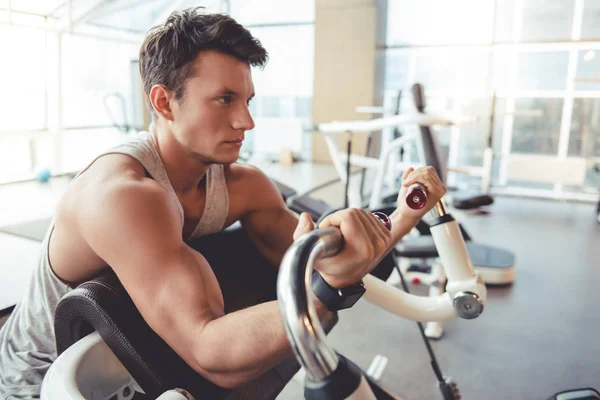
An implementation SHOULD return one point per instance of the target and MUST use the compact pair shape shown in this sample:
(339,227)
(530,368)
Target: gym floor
(535,338)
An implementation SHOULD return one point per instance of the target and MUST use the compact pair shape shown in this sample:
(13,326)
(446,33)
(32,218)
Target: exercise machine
(106,349)
(329,375)
(495,265)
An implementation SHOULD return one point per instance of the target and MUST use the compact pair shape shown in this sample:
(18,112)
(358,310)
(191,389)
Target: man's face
(213,116)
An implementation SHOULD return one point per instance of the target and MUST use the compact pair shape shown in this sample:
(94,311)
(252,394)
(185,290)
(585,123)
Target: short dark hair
(169,49)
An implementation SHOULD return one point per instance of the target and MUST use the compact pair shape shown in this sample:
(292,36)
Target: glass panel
(285,87)
(137,18)
(473,136)
(40,7)
(542,71)
(474,70)
(396,70)
(81,146)
(502,60)
(291,61)
(497,135)
(584,139)
(537,134)
(439,21)
(590,25)
(15,159)
(28,20)
(270,106)
(89,84)
(210,6)
(439,70)
(505,10)
(304,107)
(22,75)
(588,71)
(547,20)
(258,12)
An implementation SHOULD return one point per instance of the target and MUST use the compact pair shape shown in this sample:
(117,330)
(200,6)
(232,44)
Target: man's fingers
(305,225)
(407,173)
(379,235)
(350,225)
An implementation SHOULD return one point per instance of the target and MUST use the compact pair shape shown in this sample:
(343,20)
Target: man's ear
(160,98)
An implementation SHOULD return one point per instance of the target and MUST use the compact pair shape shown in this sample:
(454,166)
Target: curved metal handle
(304,328)
(297,306)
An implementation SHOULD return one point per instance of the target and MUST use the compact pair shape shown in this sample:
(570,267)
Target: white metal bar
(469,170)
(567,111)
(543,94)
(455,140)
(370,110)
(545,194)
(529,46)
(374,125)
(507,133)
(46,83)
(336,158)
(577,20)
(70,16)
(509,119)
(58,142)
(517,20)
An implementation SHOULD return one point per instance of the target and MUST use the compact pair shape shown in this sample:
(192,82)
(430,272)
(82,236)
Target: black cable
(349,151)
(434,364)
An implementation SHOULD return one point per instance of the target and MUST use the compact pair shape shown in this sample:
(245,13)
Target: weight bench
(103,306)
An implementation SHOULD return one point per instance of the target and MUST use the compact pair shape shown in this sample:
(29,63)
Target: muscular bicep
(136,230)
(268,222)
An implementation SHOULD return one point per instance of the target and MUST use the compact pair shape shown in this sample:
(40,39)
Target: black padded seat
(466,201)
(315,207)
(495,265)
(103,305)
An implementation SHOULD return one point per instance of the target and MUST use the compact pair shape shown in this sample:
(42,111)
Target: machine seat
(103,305)
(466,201)
(496,266)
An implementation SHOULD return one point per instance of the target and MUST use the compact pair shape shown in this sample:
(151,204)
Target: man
(134,207)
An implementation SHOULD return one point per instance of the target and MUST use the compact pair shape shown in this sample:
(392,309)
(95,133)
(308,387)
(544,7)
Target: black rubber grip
(418,94)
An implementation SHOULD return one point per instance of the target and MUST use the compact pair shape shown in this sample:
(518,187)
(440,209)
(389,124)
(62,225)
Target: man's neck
(184,171)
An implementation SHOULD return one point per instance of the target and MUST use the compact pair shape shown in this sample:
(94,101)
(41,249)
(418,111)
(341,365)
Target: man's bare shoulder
(244,173)
(249,183)
(114,180)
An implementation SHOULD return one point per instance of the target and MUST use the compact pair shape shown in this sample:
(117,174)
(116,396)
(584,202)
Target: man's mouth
(237,142)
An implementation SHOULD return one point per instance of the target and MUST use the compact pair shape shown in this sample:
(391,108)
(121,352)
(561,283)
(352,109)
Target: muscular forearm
(240,346)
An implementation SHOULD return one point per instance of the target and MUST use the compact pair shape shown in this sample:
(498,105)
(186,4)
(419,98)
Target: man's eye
(248,102)
(225,99)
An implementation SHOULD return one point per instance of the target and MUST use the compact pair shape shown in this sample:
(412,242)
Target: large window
(284,88)
(526,52)
(71,76)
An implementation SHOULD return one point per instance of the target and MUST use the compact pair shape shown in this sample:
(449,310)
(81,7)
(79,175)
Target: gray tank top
(27,343)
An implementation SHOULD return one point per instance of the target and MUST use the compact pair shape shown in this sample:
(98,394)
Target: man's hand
(365,239)
(427,177)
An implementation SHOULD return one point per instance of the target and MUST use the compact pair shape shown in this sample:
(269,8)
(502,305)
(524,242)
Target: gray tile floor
(536,337)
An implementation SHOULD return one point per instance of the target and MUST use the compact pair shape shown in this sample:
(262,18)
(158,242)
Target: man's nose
(243,120)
